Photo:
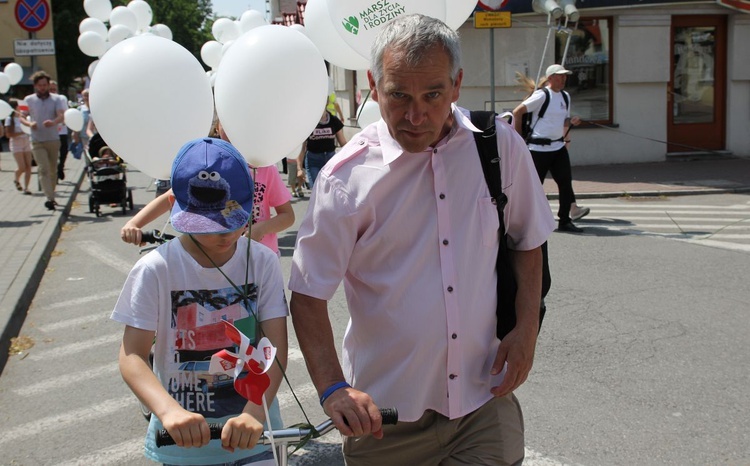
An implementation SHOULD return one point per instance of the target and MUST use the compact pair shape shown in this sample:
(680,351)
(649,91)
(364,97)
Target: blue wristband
(329,391)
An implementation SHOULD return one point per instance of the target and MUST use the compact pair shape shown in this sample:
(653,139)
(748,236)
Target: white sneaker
(579,212)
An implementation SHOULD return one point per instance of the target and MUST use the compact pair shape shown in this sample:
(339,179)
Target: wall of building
(10,31)
(641,74)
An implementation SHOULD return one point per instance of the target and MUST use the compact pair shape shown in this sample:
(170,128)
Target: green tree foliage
(189,20)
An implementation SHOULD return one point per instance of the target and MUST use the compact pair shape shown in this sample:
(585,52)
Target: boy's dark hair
(41,74)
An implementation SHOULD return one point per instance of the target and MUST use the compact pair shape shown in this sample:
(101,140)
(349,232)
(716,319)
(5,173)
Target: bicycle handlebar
(155,236)
(285,436)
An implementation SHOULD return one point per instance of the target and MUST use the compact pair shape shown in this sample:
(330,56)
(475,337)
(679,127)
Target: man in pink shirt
(402,214)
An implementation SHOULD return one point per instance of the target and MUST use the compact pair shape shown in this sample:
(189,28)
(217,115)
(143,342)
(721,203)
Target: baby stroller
(107,177)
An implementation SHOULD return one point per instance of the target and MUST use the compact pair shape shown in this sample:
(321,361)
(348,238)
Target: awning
(739,5)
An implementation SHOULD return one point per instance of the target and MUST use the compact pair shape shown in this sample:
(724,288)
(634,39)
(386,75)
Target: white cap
(556,69)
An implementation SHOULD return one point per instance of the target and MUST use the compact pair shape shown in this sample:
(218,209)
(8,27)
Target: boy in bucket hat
(178,295)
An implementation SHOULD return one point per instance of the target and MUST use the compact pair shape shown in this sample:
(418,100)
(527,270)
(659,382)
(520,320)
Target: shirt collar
(392,150)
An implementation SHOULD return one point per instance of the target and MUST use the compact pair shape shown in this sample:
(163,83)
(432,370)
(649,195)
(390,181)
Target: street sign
(33,47)
(32,15)
(492,19)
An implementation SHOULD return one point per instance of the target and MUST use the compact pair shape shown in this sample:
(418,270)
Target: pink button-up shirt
(414,238)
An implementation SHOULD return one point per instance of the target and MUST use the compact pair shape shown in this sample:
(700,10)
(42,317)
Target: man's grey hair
(414,36)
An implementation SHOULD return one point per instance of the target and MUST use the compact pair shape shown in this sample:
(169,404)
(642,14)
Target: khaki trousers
(46,154)
(491,435)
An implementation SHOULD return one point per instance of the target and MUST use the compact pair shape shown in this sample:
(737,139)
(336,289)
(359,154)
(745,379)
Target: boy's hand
(242,431)
(187,429)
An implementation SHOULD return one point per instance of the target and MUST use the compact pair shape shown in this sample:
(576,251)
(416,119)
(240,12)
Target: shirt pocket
(490,223)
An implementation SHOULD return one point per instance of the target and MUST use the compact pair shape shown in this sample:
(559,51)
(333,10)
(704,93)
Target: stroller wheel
(97,210)
(130,199)
(91,205)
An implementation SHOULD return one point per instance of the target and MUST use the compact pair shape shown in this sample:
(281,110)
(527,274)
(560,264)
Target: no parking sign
(32,15)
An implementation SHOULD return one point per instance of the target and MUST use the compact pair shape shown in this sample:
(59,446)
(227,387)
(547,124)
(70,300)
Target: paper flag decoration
(256,361)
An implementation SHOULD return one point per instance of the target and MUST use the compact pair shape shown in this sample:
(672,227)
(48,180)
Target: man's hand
(575,121)
(357,408)
(517,349)
(49,123)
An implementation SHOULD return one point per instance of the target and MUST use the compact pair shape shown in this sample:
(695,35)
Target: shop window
(589,57)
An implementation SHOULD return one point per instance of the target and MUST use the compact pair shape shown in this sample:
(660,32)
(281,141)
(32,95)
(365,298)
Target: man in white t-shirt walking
(548,141)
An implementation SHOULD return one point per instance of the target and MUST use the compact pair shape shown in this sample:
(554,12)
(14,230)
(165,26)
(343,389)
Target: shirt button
(361,143)
(445,242)
(454,336)
(434,151)
(452,376)
(442,196)
(450,289)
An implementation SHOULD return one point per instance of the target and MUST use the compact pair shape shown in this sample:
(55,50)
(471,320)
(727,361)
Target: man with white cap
(550,106)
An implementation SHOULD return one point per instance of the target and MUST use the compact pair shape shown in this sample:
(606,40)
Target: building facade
(32,50)
(652,79)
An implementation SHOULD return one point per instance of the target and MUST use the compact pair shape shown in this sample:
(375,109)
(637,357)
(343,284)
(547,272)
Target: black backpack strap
(490,159)
(506,281)
(543,110)
(566,98)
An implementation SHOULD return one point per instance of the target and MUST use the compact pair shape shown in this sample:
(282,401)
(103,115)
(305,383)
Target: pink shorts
(20,144)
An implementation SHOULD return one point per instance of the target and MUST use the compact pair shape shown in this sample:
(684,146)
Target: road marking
(294,354)
(67,350)
(79,416)
(58,382)
(106,256)
(303,392)
(85,300)
(113,455)
(718,244)
(77,322)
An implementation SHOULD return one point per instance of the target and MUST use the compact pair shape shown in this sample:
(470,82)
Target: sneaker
(50,205)
(579,212)
(569,227)
(300,193)
(294,193)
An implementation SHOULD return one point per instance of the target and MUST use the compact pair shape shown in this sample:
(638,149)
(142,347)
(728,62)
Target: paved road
(642,359)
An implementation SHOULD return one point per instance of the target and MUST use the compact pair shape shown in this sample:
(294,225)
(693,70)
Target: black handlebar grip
(163,438)
(149,236)
(389,415)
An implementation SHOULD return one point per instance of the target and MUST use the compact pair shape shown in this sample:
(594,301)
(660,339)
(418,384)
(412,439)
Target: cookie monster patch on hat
(212,187)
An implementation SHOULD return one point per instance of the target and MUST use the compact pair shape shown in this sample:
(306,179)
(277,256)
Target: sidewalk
(28,235)
(29,232)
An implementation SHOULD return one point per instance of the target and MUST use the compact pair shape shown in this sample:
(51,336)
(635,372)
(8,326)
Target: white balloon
(92,67)
(107,45)
(4,83)
(225,46)
(73,119)
(143,13)
(319,28)
(91,44)
(285,99)
(211,53)
(299,28)
(251,19)
(5,110)
(359,21)
(93,24)
(99,9)
(14,72)
(119,33)
(148,97)
(458,11)
(162,30)
(122,15)
(224,30)
(368,113)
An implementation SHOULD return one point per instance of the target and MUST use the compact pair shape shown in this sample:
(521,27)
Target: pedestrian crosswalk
(725,227)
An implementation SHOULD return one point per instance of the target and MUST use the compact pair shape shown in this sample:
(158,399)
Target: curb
(655,193)
(22,291)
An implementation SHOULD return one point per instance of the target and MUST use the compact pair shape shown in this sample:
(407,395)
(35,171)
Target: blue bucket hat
(212,187)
